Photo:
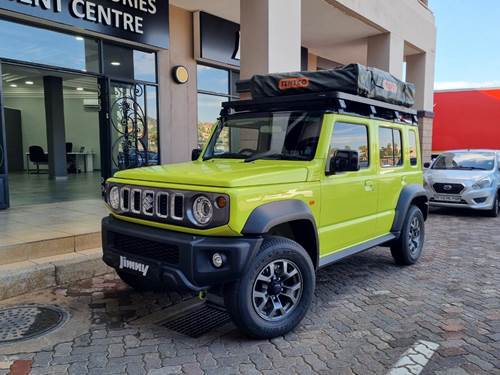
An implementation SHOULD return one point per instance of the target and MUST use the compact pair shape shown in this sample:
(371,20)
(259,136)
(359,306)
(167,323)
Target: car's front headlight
(483,184)
(114,197)
(203,210)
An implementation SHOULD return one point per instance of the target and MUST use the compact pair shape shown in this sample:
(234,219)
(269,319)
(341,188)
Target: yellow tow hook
(202,295)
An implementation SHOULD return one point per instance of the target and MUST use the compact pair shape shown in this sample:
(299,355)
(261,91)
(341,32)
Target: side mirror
(344,161)
(427,165)
(195,154)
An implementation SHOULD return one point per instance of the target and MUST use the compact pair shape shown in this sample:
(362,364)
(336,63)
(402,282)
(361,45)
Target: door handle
(369,185)
(403,180)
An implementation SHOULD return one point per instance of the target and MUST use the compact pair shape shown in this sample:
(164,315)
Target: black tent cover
(353,79)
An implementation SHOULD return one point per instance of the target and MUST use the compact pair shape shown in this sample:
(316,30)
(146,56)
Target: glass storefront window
(208,112)
(213,79)
(123,62)
(134,120)
(41,46)
(214,87)
(152,122)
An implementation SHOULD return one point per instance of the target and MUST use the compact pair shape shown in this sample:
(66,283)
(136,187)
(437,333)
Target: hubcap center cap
(275,288)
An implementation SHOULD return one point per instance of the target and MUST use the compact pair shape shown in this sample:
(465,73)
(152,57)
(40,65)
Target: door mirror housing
(344,161)
(195,154)
(427,165)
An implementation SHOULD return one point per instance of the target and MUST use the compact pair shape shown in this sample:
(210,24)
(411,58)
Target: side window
(391,152)
(412,146)
(350,137)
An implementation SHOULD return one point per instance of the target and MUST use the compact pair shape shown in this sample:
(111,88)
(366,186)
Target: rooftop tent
(353,79)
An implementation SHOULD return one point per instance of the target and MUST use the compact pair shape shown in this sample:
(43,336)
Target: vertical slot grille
(162,205)
(177,211)
(136,201)
(125,200)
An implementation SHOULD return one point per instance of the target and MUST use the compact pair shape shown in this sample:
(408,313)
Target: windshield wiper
(262,155)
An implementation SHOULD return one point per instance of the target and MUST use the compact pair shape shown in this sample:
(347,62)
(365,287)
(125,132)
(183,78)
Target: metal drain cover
(198,321)
(29,321)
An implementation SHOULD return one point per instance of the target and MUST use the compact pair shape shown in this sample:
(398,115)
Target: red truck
(466,118)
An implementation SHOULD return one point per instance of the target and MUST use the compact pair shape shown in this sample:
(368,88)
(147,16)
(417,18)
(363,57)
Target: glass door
(131,126)
(4,183)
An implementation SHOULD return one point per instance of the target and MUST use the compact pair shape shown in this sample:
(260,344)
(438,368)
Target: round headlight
(114,198)
(202,210)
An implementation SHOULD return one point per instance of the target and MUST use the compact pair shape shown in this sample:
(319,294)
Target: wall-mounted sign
(141,21)
(180,74)
(216,39)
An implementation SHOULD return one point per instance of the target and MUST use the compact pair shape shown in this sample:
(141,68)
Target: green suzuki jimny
(317,166)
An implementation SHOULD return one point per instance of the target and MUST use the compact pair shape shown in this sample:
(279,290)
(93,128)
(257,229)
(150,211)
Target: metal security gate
(4,181)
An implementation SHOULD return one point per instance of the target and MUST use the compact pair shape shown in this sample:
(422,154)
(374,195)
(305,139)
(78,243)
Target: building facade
(91,87)
(476,125)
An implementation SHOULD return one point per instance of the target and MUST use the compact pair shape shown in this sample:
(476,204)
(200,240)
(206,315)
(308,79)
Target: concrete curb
(28,276)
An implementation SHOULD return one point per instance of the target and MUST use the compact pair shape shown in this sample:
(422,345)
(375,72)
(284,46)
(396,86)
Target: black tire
(139,283)
(408,247)
(493,212)
(240,300)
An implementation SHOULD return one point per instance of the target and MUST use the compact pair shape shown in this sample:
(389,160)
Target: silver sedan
(465,178)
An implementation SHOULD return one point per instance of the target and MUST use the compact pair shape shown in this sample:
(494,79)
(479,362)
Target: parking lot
(367,317)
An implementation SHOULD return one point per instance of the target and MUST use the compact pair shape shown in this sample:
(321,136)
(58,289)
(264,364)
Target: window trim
(393,129)
(328,158)
(413,131)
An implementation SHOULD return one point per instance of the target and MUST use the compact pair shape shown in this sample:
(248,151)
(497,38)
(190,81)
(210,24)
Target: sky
(468,43)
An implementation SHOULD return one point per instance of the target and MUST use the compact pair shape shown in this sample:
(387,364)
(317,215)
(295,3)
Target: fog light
(217,260)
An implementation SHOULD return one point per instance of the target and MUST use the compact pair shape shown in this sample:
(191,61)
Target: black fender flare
(407,195)
(269,215)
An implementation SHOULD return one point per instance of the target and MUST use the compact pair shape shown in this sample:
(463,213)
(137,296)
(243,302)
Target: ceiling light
(80,38)
(13,85)
(29,82)
(79,89)
(115,63)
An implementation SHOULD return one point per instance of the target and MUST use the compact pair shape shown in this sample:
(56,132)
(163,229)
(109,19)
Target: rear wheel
(408,247)
(493,212)
(275,293)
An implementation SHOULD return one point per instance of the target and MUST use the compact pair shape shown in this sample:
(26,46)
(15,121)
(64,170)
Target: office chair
(38,156)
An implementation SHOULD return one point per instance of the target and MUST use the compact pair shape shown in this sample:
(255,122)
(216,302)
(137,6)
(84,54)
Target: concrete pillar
(386,52)
(56,134)
(178,102)
(420,71)
(312,62)
(270,36)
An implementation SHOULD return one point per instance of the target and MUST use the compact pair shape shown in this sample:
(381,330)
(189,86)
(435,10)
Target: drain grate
(199,321)
(26,322)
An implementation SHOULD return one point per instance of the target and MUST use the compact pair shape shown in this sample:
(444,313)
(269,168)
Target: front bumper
(179,260)
(480,199)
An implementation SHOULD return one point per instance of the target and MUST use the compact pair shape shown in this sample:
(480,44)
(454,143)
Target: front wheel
(408,247)
(493,212)
(275,293)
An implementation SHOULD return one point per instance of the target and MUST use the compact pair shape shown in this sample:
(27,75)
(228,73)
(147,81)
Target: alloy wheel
(277,290)
(414,235)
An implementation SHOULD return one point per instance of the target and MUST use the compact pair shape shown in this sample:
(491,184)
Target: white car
(465,178)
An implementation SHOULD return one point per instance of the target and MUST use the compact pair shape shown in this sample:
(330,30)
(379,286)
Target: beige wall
(178,103)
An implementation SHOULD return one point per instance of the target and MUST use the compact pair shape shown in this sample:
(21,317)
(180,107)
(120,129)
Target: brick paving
(366,314)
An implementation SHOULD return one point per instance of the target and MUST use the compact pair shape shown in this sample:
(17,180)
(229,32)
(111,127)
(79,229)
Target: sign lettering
(143,21)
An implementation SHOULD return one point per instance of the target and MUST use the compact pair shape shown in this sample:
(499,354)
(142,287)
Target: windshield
(484,161)
(279,135)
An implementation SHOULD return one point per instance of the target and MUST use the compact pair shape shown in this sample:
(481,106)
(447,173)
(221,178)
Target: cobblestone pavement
(366,314)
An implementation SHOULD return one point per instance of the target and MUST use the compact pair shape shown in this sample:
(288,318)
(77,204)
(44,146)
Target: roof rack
(335,101)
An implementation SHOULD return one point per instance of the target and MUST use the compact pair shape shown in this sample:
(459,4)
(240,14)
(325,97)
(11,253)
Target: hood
(459,176)
(220,173)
